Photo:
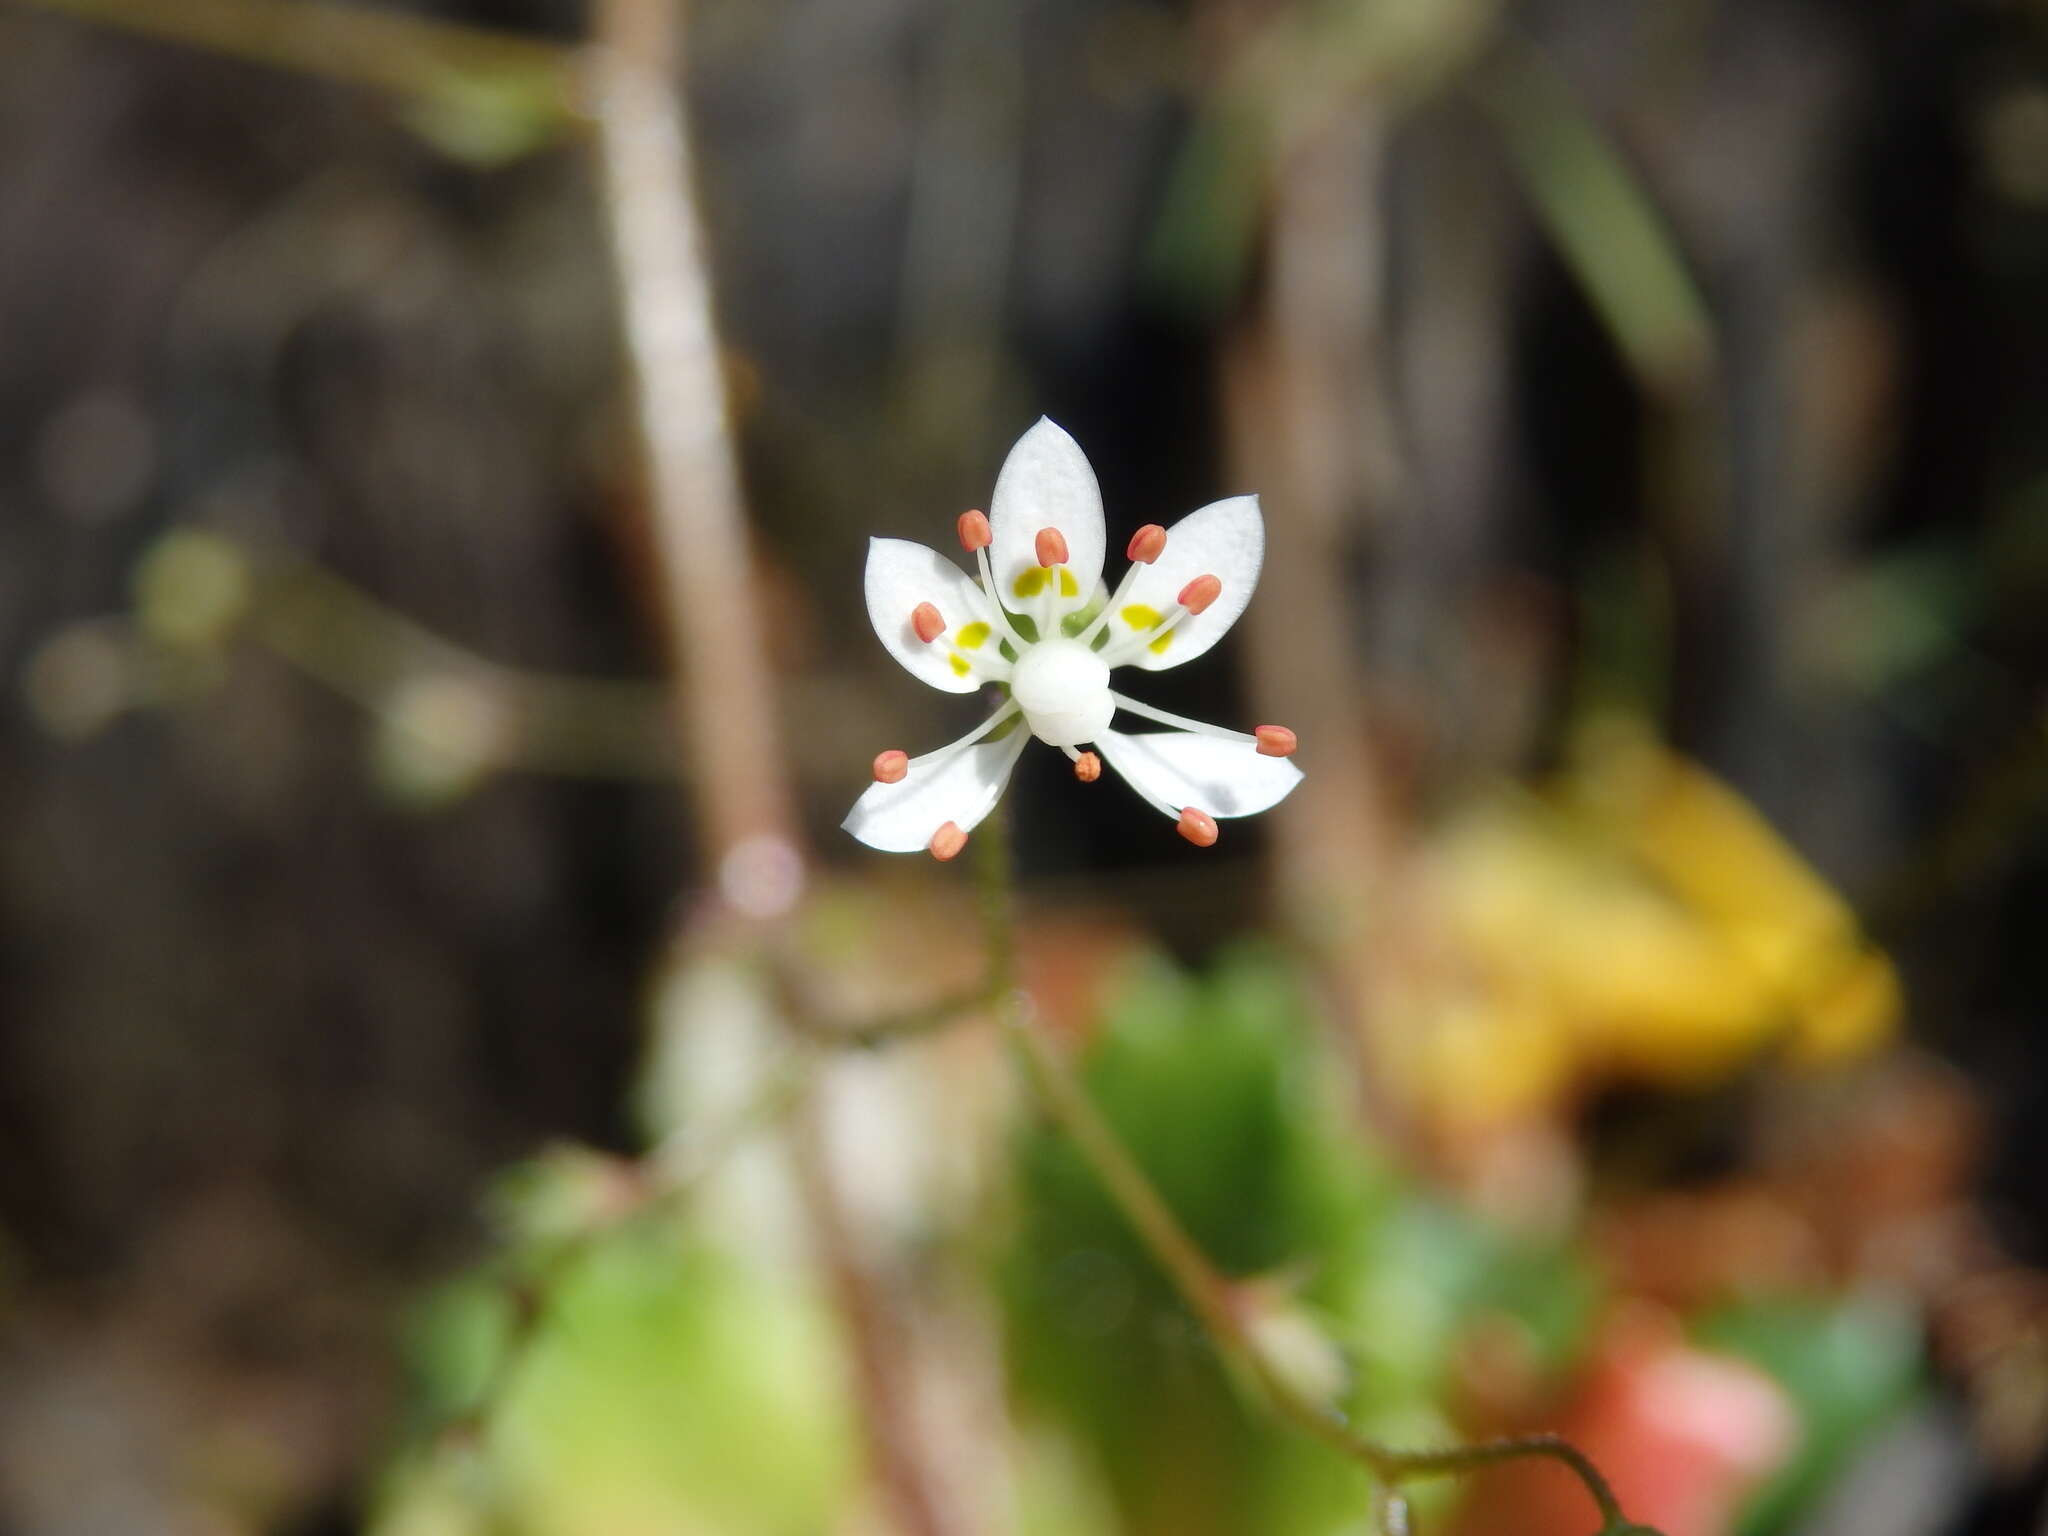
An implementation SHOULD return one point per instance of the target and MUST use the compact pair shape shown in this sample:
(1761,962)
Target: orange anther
(1052,547)
(947,842)
(974,532)
(1200,593)
(1198,827)
(929,623)
(1275,741)
(1147,544)
(1087,767)
(890,766)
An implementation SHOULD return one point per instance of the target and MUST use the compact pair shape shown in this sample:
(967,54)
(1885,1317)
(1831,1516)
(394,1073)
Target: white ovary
(1063,688)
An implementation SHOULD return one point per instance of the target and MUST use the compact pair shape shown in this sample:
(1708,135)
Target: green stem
(1208,1293)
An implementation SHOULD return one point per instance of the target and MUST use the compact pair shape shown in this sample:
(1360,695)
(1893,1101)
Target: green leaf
(1849,1366)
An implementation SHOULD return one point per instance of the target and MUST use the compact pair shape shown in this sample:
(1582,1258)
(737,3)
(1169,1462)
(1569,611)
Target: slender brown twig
(725,688)
(726,693)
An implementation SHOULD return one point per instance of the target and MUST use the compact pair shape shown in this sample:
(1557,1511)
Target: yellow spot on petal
(959,662)
(973,637)
(1158,647)
(1138,616)
(1031,583)
(1068,586)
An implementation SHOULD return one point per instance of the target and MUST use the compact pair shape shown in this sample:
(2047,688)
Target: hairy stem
(1208,1293)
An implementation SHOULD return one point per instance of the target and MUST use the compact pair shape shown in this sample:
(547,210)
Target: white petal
(1046,483)
(962,788)
(900,576)
(1179,768)
(1227,540)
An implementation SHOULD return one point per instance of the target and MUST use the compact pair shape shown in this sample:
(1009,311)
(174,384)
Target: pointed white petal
(1227,540)
(961,788)
(1179,768)
(1046,483)
(901,575)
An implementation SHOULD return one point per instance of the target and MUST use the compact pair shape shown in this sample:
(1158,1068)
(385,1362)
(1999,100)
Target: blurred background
(423,919)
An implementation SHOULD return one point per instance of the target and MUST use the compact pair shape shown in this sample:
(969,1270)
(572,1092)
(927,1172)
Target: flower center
(1063,688)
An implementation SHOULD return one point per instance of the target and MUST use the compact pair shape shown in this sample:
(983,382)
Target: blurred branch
(453,699)
(725,696)
(1601,219)
(911,1023)
(1309,420)
(1283,87)
(410,56)
(882,1368)
(725,693)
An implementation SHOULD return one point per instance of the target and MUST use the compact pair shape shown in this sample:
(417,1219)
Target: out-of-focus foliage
(670,1388)
(1361,1285)
(631,1367)
(1847,1366)
(1638,921)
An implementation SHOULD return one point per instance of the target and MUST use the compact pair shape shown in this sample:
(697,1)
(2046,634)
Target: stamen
(1146,545)
(1194,597)
(1182,722)
(1051,547)
(1116,602)
(974,531)
(995,601)
(1122,648)
(891,766)
(1200,593)
(929,623)
(1088,768)
(947,842)
(1275,741)
(940,754)
(1198,827)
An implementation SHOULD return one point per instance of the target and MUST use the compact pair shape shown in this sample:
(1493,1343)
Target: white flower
(1037,626)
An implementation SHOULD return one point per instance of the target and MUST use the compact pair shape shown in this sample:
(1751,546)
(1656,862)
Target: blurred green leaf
(1228,1094)
(670,1388)
(487,120)
(1849,1367)
(1312,62)
(1602,220)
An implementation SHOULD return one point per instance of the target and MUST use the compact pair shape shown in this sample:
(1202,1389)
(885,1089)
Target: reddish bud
(891,766)
(1052,547)
(974,532)
(947,842)
(1087,767)
(929,623)
(1147,544)
(1198,827)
